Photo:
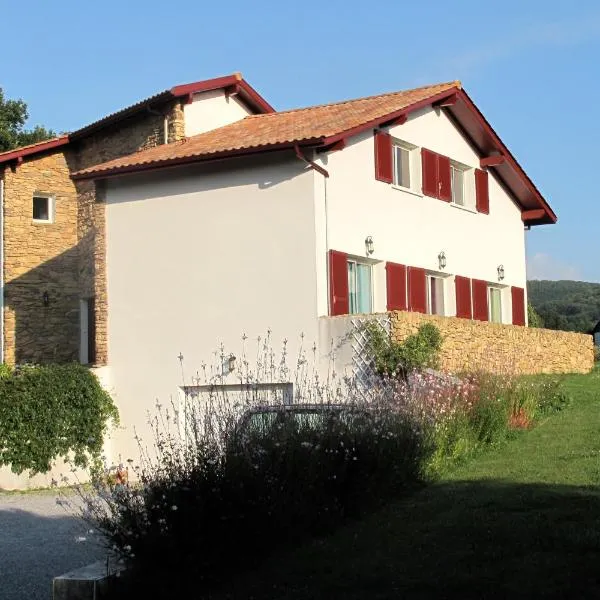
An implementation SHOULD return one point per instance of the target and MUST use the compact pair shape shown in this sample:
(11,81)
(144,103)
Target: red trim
(399,120)
(383,157)
(396,284)
(491,161)
(518,305)
(334,147)
(450,101)
(186,160)
(480,299)
(19,153)
(310,163)
(482,192)
(379,121)
(339,302)
(533,215)
(493,141)
(464,308)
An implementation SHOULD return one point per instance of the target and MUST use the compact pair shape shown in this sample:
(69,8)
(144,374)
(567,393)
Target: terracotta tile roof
(33,148)
(302,126)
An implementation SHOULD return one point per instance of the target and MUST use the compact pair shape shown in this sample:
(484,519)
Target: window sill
(407,190)
(41,222)
(465,208)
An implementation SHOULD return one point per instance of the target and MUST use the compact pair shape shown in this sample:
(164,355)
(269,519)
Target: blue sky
(532,68)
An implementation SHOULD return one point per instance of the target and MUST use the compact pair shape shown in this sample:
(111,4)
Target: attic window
(43,207)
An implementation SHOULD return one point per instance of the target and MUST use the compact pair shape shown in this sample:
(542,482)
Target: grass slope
(520,521)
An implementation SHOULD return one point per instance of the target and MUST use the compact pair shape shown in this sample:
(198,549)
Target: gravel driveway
(39,539)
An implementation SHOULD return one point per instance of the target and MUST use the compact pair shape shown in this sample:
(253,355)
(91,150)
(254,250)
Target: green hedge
(51,411)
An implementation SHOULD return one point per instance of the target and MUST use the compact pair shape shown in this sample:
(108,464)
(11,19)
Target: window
(360,296)
(42,208)
(402,166)
(435,295)
(87,331)
(458,185)
(495,304)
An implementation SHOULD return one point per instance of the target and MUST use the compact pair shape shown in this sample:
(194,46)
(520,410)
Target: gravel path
(39,539)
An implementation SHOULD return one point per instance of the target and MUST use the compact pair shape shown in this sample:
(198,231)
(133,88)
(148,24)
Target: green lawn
(522,521)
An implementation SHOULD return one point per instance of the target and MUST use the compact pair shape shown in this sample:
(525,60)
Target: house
(596,334)
(142,241)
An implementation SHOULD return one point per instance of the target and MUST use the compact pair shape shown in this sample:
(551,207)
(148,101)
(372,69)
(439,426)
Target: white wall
(412,229)
(210,110)
(197,258)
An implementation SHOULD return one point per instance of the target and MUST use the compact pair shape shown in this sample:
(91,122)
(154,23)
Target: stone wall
(38,258)
(65,258)
(476,345)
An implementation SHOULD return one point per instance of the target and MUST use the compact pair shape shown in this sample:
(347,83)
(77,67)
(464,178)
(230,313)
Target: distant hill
(567,305)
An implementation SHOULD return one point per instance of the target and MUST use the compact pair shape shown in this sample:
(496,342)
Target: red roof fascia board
(389,118)
(509,171)
(19,153)
(246,91)
(184,160)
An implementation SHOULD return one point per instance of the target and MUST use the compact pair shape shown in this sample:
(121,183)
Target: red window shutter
(429,164)
(417,290)
(480,300)
(463,297)
(482,194)
(396,286)
(518,305)
(444,179)
(338,283)
(383,157)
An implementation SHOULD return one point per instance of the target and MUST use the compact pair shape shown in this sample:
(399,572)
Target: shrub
(51,411)
(213,500)
(417,351)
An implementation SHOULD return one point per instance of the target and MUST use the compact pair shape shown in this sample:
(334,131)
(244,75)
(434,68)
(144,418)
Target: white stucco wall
(210,110)
(413,229)
(197,258)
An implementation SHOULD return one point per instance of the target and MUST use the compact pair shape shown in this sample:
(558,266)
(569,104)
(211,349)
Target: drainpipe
(2,269)
(310,163)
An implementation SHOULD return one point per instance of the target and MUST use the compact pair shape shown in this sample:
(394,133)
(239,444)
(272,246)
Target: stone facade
(477,345)
(40,258)
(65,258)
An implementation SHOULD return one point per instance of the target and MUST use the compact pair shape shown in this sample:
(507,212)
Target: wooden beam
(449,101)
(532,215)
(339,145)
(399,120)
(491,161)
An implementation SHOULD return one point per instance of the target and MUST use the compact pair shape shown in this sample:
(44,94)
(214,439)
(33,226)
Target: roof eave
(189,160)
(20,153)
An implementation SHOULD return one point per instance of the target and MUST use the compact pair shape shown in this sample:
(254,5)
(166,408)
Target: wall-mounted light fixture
(369,245)
(46,299)
(228,364)
(442,260)
(500,272)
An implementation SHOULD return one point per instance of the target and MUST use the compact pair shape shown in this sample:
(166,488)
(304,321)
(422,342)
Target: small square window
(435,295)
(42,209)
(360,289)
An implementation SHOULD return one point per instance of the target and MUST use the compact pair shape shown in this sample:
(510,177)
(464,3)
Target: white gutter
(2,270)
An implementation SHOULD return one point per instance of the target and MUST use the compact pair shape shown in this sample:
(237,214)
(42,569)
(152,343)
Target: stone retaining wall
(477,345)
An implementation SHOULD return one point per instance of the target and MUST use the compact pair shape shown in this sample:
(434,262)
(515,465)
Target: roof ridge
(455,83)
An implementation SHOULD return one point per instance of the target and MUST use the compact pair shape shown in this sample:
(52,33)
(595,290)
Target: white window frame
(414,166)
(468,176)
(51,207)
(489,298)
(357,261)
(442,278)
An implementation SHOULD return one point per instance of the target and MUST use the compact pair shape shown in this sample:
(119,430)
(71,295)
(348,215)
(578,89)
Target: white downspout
(2,270)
